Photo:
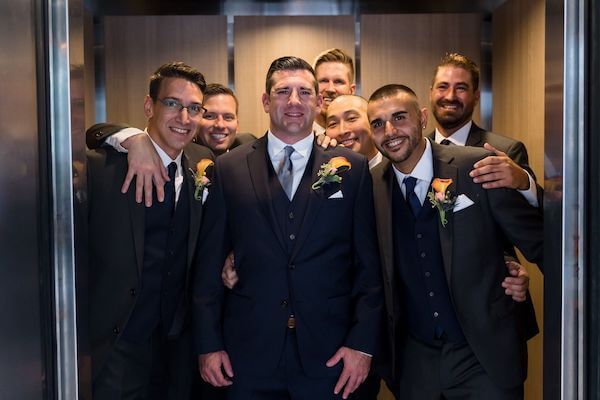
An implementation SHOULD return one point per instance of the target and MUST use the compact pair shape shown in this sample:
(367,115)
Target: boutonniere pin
(439,196)
(330,172)
(201,181)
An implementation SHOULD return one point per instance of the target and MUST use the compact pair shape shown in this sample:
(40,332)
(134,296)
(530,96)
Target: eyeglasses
(174,106)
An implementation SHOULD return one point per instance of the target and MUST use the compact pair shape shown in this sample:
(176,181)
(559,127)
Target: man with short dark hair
(304,317)
(140,258)
(452,332)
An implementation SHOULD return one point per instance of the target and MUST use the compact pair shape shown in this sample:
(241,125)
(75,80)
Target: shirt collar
(164,157)
(275,145)
(459,137)
(373,162)
(423,170)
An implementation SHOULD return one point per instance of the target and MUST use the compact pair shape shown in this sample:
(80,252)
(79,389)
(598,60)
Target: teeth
(179,130)
(293,115)
(394,143)
(347,142)
(218,135)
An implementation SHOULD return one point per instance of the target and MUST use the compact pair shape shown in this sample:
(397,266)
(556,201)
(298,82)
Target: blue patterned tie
(413,201)
(285,172)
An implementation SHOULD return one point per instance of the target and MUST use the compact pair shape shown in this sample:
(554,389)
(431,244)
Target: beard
(452,119)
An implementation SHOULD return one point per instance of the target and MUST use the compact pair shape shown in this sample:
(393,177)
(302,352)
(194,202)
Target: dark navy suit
(315,257)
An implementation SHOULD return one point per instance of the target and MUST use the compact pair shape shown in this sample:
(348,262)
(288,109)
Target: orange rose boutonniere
(201,179)
(440,197)
(329,172)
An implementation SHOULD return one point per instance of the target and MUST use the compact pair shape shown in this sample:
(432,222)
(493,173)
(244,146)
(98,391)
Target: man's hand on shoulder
(356,369)
(212,366)
(499,171)
(147,167)
(325,141)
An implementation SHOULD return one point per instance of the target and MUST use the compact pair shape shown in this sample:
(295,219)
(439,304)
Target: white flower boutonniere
(440,197)
(201,180)
(329,172)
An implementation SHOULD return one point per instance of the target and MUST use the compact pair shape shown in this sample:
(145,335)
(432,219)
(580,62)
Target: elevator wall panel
(136,46)
(405,48)
(258,40)
(518,108)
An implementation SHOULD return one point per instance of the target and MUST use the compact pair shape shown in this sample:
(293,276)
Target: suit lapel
(315,198)
(259,173)
(382,192)
(195,209)
(442,168)
(475,137)
(137,215)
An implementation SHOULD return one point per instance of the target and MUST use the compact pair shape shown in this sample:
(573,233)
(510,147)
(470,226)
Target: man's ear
(353,88)
(424,117)
(265,102)
(148,107)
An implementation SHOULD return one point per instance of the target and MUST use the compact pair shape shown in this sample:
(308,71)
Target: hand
(146,165)
(325,141)
(211,367)
(499,171)
(229,275)
(356,369)
(517,284)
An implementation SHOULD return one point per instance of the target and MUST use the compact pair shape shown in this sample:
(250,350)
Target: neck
(446,132)
(407,166)
(290,138)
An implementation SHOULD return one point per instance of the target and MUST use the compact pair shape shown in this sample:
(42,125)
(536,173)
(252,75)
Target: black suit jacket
(116,246)
(472,251)
(331,279)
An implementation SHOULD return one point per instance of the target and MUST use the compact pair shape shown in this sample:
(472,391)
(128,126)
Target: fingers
(355,371)
(517,284)
(210,368)
(229,274)
(494,150)
(127,182)
(320,137)
(336,358)
(341,382)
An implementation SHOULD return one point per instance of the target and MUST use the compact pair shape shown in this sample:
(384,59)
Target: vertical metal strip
(573,268)
(230,53)
(357,65)
(62,199)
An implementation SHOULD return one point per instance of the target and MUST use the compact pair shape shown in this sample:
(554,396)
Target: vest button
(292,266)
(435,314)
(171,252)
(423,254)
(431,294)
(132,291)
(284,303)
(427,274)
(116,330)
(419,235)
(291,215)
(292,236)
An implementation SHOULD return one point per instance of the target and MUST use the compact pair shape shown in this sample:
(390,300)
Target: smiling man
(334,70)
(452,332)
(140,258)
(304,317)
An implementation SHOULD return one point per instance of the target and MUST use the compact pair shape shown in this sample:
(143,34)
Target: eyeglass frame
(178,107)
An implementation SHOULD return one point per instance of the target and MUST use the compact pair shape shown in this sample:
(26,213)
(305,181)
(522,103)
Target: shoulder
(501,142)
(462,156)
(243,138)
(196,152)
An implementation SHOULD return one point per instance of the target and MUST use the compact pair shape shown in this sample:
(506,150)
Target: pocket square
(204,195)
(337,195)
(462,202)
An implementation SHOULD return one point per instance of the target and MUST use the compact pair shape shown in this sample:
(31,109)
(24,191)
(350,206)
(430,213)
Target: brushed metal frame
(573,215)
(62,195)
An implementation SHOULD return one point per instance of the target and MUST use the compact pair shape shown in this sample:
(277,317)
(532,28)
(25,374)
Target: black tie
(170,188)
(413,201)
(446,142)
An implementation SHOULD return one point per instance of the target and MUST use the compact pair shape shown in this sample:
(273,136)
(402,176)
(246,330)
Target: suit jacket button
(423,254)
(132,291)
(116,330)
(419,235)
(292,236)
(284,303)
(98,134)
(292,266)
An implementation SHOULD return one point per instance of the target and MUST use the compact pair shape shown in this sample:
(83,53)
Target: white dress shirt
(166,160)
(302,149)
(423,171)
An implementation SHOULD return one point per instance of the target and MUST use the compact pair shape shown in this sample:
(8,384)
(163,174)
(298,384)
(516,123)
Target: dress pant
(289,382)
(153,369)
(445,371)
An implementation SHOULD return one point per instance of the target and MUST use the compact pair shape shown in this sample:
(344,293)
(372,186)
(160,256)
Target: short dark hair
(215,89)
(459,61)
(392,90)
(176,69)
(336,55)
(288,63)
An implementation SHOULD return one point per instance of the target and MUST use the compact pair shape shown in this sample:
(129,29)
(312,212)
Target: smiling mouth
(218,136)
(394,143)
(294,115)
(450,106)
(179,131)
(348,142)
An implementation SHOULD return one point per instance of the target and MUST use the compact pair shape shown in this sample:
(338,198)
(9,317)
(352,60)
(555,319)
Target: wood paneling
(136,46)
(518,109)
(258,40)
(405,48)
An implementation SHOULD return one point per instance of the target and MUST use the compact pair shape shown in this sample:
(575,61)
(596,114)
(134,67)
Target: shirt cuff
(119,137)
(531,193)
(365,354)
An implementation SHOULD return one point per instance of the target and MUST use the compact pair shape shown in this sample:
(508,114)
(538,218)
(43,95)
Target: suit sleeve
(208,290)
(97,134)
(367,289)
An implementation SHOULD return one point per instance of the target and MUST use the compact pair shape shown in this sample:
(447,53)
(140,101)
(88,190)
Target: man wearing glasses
(140,257)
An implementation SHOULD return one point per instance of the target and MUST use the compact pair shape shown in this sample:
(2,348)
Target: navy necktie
(446,142)
(413,201)
(170,188)
(285,172)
